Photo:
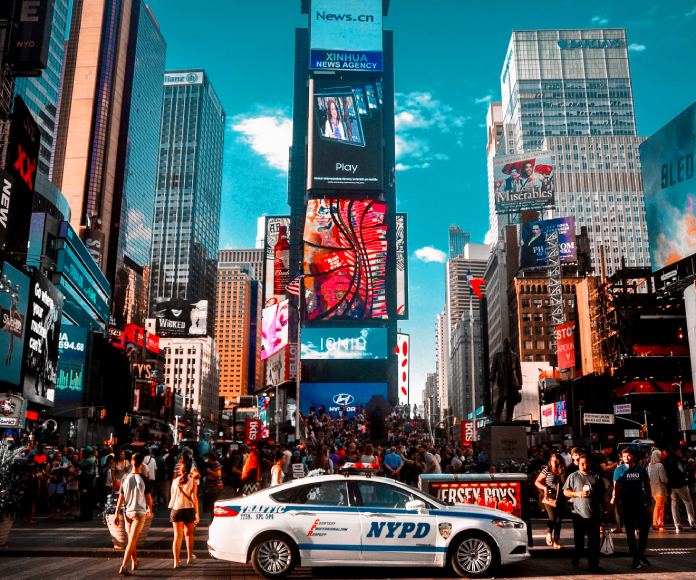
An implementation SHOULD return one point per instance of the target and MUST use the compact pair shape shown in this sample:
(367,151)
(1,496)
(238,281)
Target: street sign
(622,409)
(631,433)
(598,419)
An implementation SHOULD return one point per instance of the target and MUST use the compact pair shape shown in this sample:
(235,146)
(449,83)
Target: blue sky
(448,56)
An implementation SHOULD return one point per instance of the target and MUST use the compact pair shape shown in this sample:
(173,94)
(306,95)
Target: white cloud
(635,47)
(600,20)
(430,254)
(485,99)
(269,135)
(691,12)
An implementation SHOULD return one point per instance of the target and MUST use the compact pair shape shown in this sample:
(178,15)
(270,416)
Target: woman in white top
(185,514)
(277,471)
(333,129)
(658,488)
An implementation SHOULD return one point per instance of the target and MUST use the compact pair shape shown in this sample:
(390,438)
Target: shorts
(134,523)
(184,515)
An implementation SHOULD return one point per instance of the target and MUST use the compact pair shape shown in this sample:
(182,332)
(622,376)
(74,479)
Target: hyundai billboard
(667,161)
(335,398)
(346,35)
(533,250)
(345,258)
(344,343)
(345,140)
(524,181)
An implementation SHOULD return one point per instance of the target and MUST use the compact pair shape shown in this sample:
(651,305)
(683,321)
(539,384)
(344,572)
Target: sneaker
(637,565)
(644,561)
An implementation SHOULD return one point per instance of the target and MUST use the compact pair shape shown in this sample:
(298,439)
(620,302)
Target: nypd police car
(334,520)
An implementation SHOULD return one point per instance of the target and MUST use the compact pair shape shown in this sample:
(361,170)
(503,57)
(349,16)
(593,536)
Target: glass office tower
(189,182)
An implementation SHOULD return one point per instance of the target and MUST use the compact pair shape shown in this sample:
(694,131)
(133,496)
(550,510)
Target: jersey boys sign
(503,495)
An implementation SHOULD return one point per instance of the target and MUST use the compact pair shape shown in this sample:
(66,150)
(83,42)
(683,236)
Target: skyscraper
(458,238)
(136,182)
(189,182)
(41,94)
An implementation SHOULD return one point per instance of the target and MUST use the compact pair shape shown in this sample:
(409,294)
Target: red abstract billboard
(565,345)
(345,255)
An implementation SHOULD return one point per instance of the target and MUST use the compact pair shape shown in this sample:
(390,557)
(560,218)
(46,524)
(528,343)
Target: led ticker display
(345,255)
(72,351)
(344,343)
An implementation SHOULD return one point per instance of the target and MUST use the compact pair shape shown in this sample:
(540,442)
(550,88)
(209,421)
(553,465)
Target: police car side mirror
(416,505)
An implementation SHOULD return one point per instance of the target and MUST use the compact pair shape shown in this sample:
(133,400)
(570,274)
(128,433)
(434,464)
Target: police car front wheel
(274,556)
(474,556)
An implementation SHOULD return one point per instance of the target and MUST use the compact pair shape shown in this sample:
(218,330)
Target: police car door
(324,523)
(390,532)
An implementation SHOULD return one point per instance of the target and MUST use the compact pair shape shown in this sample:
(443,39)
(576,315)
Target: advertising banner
(502,495)
(30,38)
(344,398)
(12,410)
(134,336)
(7,193)
(403,366)
(43,334)
(533,242)
(276,263)
(554,414)
(523,181)
(345,257)
(179,317)
(565,345)
(401,266)
(262,406)
(346,35)
(344,343)
(14,301)
(667,162)
(274,328)
(281,367)
(345,141)
(72,352)
(253,431)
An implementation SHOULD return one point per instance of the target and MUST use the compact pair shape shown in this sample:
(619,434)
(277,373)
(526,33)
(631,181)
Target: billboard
(523,181)
(7,192)
(179,317)
(344,343)
(276,263)
(72,352)
(403,357)
(274,328)
(345,257)
(340,397)
(14,300)
(31,36)
(503,495)
(43,333)
(346,35)
(533,242)
(667,161)
(565,345)
(401,266)
(345,141)
(554,414)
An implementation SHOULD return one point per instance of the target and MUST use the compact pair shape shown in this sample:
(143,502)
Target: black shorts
(184,515)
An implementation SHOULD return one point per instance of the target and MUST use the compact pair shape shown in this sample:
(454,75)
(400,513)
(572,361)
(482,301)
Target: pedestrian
(149,471)
(89,471)
(585,490)
(393,463)
(119,469)
(632,496)
(185,514)
(213,482)
(550,482)
(677,480)
(136,499)
(658,488)
(277,471)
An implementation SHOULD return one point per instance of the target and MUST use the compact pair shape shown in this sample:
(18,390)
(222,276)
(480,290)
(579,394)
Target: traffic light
(126,419)
(102,414)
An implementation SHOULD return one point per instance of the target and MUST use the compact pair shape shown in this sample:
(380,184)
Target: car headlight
(508,524)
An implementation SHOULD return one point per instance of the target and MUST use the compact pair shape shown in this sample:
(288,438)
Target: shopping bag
(607,546)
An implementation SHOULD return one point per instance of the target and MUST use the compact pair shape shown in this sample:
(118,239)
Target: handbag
(607,546)
(549,502)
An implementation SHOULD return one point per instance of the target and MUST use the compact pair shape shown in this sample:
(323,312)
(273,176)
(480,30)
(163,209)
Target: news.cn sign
(503,495)
(253,431)
(565,345)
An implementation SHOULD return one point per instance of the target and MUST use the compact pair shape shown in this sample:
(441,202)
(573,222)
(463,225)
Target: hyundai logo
(343,399)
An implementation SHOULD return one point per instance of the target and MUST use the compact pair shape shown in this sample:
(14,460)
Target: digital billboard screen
(72,352)
(180,317)
(344,343)
(274,328)
(533,251)
(667,161)
(346,35)
(524,181)
(403,366)
(345,141)
(345,256)
(401,266)
(276,264)
(340,397)
(554,414)
(43,333)
(14,301)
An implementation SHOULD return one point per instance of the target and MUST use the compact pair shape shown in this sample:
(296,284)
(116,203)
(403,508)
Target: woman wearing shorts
(185,514)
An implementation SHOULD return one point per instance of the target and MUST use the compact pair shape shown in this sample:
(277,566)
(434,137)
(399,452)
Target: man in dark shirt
(632,491)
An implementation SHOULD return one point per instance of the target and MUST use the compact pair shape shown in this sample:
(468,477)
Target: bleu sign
(569,44)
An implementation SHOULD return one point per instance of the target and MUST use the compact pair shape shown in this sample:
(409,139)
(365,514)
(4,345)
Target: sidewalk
(70,538)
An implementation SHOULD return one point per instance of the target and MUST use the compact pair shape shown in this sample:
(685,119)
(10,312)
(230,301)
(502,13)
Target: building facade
(461,373)
(189,182)
(459,295)
(457,238)
(441,360)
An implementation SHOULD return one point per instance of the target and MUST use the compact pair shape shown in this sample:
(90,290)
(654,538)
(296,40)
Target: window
(380,495)
(331,493)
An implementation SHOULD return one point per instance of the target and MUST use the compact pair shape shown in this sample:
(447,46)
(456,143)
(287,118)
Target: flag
(475,284)
(294,287)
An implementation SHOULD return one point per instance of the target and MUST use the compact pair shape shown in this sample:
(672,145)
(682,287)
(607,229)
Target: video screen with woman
(338,116)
